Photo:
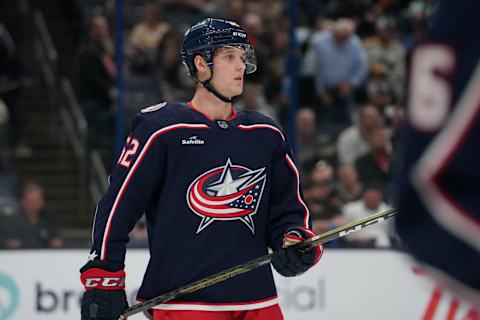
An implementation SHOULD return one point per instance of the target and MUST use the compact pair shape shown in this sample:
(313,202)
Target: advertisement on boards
(346,284)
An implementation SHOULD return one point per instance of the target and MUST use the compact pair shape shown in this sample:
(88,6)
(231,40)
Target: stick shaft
(259,262)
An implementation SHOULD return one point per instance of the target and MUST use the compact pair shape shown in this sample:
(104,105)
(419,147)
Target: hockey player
(439,206)
(218,188)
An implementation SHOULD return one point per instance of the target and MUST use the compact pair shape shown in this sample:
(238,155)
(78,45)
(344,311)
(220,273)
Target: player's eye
(233,57)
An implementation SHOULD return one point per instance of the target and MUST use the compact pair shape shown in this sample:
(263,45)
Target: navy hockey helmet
(206,36)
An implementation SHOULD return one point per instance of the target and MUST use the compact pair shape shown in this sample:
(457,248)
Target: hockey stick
(256,263)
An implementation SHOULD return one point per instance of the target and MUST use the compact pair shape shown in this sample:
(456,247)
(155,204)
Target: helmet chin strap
(210,88)
(207,85)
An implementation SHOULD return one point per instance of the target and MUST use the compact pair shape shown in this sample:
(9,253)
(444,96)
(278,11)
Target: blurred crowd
(12,79)
(30,225)
(19,218)
(351,57)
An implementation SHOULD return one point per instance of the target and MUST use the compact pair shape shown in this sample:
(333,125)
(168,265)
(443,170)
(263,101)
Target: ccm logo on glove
(96,278)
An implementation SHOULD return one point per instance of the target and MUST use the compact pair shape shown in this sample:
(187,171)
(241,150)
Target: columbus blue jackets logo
(229,192)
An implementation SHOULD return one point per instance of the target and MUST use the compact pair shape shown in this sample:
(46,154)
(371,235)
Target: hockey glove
(290,263)
(105,297)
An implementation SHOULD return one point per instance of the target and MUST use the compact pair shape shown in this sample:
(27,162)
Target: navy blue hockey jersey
(215,194)
(439,204)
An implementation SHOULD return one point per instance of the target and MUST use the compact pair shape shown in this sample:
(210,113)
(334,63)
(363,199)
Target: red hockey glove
(105,297)
(290,263)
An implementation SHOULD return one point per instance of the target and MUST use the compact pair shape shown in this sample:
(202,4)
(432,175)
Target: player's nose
(240,66)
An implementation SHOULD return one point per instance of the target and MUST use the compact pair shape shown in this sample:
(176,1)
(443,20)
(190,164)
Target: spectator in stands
(97,92)
(275,67)
(270,12)
(353,141)
(11,81)
(385,49)
(341,67)
(307,145)
(323,173)
(253,26)
(255,29)
(32,227)
(378,235)
(348,187)
(144,40)
(363,12)
(173,84)
(379,91)
(235,10)
(375,166)
(321,199)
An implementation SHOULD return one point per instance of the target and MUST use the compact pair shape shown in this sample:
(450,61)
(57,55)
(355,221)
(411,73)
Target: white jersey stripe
(262,126)
(289,161)
(132,171)
(299,197)
(217,307)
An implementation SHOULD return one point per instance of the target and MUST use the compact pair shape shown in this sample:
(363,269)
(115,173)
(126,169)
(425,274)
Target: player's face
(229,71)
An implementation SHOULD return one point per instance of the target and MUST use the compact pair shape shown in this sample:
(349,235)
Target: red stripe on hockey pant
(97,278)
(270,313)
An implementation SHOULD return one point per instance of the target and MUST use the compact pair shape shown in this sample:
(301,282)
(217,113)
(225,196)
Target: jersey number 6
(430,93)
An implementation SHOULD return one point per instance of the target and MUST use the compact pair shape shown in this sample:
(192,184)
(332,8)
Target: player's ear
(201,67)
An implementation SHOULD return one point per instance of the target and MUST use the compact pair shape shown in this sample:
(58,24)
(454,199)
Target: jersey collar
(233,116)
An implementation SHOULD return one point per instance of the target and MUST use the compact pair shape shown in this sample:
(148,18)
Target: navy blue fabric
(184,246)
(454,26)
